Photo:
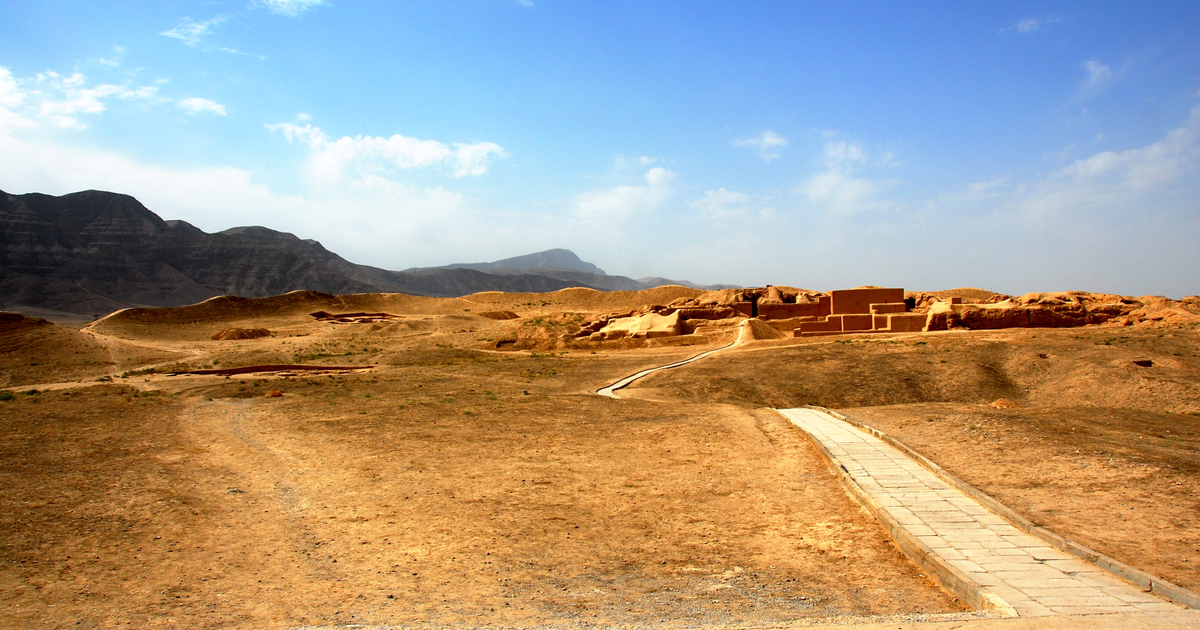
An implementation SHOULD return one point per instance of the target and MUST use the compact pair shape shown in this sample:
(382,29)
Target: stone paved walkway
(1022,570)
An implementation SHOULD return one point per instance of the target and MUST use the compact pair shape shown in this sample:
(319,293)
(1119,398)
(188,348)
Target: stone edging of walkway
(951,579)
(1147,582)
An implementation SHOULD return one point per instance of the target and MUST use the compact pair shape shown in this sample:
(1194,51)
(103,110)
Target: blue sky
(1022,146)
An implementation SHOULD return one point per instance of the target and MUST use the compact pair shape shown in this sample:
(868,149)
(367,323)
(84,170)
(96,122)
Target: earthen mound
(499,315)
(357,317)
(922,300)
(230,334)
(579,299)
(284,369)
(762,330)
(34,350)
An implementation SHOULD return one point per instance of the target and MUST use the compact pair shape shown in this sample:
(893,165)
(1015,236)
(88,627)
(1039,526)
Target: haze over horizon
(1030,147)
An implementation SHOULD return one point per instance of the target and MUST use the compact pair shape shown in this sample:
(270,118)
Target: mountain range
(85,254)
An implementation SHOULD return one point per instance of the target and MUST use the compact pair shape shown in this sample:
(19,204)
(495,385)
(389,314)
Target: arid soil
(1124,482)
(1091,432)
(460,480)
(448,485)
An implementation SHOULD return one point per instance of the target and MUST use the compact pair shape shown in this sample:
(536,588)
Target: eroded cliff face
(92,252)
(117,252)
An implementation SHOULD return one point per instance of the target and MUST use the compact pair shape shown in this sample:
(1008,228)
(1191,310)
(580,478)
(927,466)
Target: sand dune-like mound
(230,334)
(762,330)
(582,299)
(968,295)
(500,315)
(231,309)
(34,350)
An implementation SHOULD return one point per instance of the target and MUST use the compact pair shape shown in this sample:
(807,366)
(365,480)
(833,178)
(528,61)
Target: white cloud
(528,4)
(473,159)
(194,34)
(368,159)
(290,8)
(1098,77)
(1097,72)
(837,189)
(201,105)
(1112,179)
(840,153)
(1028,25)
(72,98)
(115,60)
(12,99)
(191,32)
(768,144)
(621,203)
(721,203)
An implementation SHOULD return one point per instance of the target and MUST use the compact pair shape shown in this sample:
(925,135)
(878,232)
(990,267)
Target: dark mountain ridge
(88,253)
(549,259)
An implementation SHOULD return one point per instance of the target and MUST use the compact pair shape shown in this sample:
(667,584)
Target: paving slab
(977,549)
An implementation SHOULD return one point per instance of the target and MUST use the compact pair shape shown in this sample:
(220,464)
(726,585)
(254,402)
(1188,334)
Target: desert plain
(459,470)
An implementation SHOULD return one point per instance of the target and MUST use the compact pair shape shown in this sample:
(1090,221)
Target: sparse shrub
(6,396)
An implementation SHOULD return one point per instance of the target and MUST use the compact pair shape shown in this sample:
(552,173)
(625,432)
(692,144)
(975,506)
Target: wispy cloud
(368,158)
(837,189)
(622,203)
(721,203)
(1026,26)
(115,60)
(191,32)
(1097,77)
(201,106)
(839,154)
(1097,73)
(12,102)
(768,144)
(290,8)
(1113,178)
(70,97)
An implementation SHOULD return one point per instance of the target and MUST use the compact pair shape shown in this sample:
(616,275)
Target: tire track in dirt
(237,422)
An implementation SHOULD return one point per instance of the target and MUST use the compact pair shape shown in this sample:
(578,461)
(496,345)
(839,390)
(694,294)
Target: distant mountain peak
(551,258)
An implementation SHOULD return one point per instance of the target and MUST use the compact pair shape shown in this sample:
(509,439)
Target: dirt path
(611,390)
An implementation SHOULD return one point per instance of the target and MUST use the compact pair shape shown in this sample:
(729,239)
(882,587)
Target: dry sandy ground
(448,486)
(1097,437)
(452,484)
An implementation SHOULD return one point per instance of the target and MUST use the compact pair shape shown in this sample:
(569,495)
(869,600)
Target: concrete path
(611,390)
(1007,568)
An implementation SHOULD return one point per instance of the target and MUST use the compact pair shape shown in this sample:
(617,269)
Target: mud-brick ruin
(800,313)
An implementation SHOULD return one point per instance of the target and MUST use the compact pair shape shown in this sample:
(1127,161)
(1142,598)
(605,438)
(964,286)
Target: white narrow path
(1031,577)
(611,390)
